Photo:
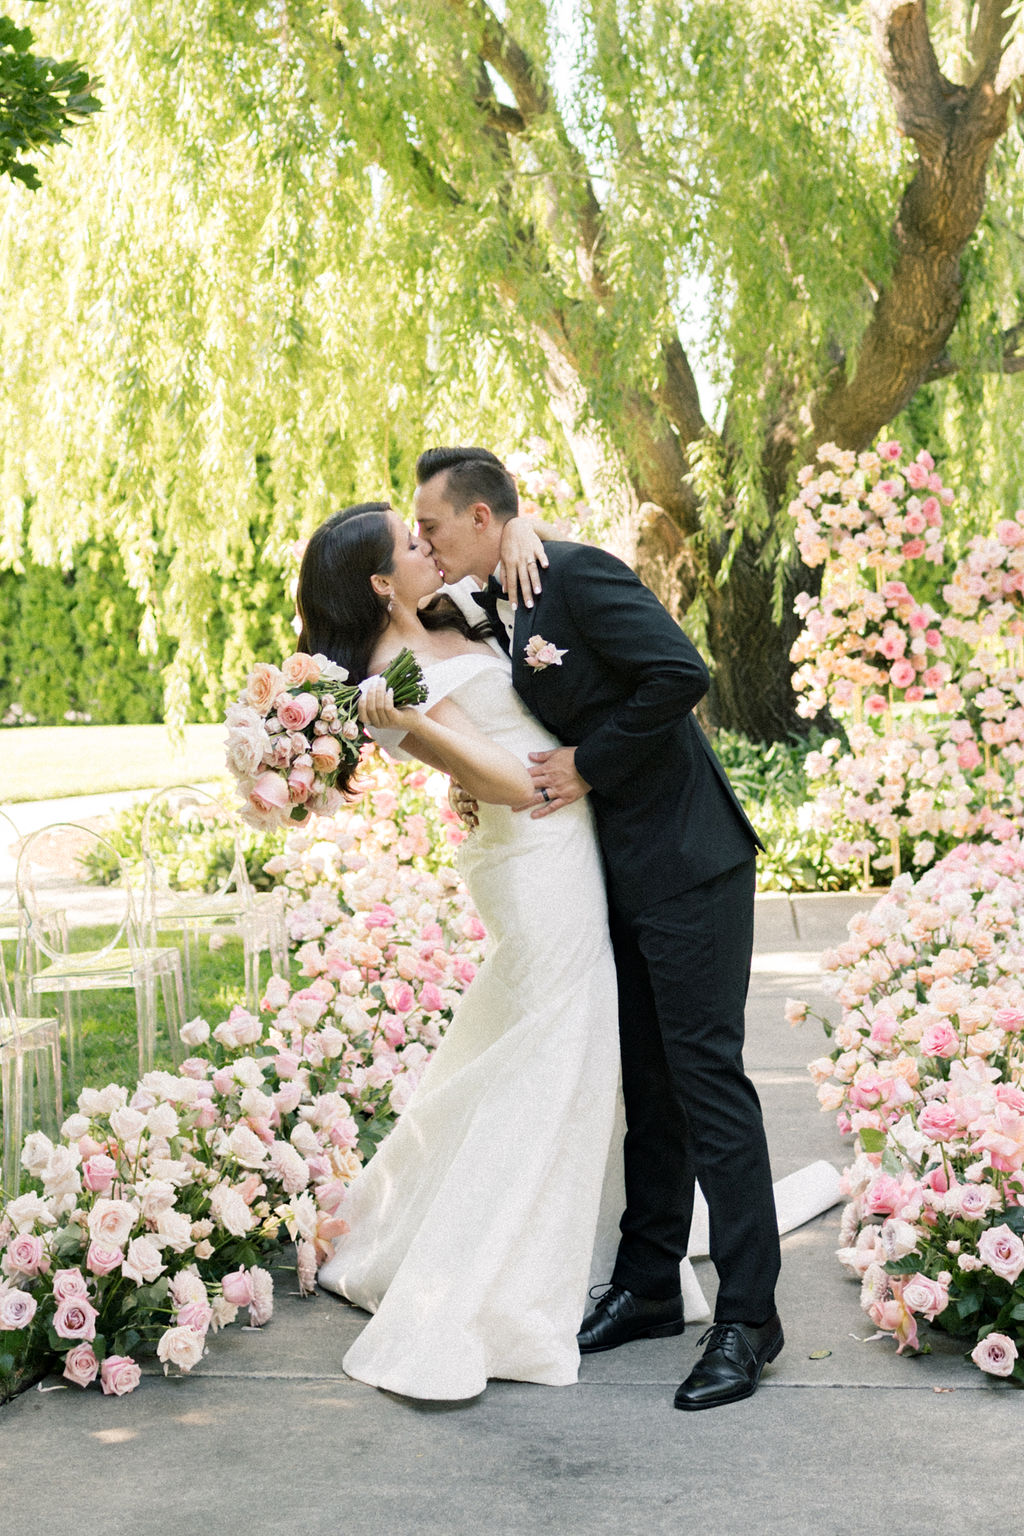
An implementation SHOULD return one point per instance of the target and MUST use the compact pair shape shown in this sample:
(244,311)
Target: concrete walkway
(269,1436)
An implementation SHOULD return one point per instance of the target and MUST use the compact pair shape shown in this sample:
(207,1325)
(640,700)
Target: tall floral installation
(149,1223)
(927,1066)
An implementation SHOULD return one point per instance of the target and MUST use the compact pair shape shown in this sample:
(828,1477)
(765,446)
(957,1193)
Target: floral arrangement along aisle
(147,1224)
(927,1072)
(930,693)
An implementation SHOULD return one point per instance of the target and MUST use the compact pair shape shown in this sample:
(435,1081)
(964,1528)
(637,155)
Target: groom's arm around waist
(636,637)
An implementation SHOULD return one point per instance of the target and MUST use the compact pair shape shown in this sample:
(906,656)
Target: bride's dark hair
(342,616)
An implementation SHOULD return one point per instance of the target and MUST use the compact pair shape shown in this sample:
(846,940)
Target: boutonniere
(540,653)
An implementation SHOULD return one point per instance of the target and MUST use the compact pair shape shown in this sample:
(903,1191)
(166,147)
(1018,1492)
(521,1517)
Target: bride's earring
(391,602)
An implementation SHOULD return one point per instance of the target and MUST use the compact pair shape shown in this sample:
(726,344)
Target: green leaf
(872,1140)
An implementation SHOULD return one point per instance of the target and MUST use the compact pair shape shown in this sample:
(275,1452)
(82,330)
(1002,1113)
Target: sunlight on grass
(50,762)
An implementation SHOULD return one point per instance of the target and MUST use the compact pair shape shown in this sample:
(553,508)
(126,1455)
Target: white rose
(75,1127)
(155,1195)
(195,1032)
(110,1222)
(61,1176)
(231,1210)
(172,1169)
(305,1140)
(247,1072)
(174,1230)
(183,1347)
(127,1124)
(29,1211)
(142,1263)
(246,1148)
(162,1122)
(36,1153)
(898,1238)
(254,1104)
(300,1216)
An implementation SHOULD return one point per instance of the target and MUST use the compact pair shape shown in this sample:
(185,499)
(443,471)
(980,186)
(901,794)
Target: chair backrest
(194,813)
(7,1013)
(59,847)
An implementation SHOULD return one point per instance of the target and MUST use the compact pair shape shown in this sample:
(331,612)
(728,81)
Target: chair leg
(145,1009)
(174,1007)
(12,1080)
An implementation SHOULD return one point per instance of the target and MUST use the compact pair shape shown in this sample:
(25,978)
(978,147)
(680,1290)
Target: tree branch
(954,130)
(1004,357)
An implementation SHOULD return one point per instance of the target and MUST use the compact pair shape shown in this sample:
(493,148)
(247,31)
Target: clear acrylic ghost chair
(12,923)
(30,1080)
(175,902)
(124,960)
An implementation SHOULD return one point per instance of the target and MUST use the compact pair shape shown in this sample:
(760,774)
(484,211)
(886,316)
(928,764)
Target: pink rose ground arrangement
(148,1225)
(292,729)
(926,1073)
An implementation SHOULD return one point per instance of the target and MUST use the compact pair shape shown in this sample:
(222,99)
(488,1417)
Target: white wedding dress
(478,1225)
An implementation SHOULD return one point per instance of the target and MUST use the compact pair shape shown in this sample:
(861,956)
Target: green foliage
(39,100)
(196,856)
(771,785)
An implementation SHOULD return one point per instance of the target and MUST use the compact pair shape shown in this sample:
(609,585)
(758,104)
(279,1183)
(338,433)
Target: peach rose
(299,669)
(326,754)
(80,1365)
(263,685)
(119,1375)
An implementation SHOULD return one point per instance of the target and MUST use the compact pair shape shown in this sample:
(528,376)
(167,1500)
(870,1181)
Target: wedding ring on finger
(545,797)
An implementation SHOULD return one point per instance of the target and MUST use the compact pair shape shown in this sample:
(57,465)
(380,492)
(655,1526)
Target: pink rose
(995,1354)
(119,1375)
(197,1315)
(68,1283)
(17,1309)
(890,450)
(938,1122)
(1002,1251)
(295,713)
(75,1319)
(925,1297)
(940,1040)
(300,783)
(913,549)
(968,756)
(102,1259)
(80,1365)
(270,792)
(236,1288)
(98,1173)
(263,686)
(902,674)
(26,1255)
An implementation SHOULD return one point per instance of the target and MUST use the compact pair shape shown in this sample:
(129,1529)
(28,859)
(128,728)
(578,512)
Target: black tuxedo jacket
(623,695)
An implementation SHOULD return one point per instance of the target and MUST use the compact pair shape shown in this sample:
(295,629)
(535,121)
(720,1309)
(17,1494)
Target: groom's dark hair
(471,475)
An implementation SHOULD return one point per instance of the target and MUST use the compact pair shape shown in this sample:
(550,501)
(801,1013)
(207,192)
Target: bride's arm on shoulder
(444,737)
(523,557)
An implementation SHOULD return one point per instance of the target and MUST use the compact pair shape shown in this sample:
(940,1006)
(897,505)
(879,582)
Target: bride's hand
(522,555)
(377,708)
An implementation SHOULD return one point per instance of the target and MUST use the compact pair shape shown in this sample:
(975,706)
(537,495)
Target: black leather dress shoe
(731,1366)
(619,1317)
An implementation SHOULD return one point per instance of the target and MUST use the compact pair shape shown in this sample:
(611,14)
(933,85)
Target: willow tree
(704,235)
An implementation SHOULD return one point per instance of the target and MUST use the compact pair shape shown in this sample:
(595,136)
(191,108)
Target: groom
(603,665)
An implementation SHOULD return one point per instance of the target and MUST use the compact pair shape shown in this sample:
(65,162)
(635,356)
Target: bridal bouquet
(294,728)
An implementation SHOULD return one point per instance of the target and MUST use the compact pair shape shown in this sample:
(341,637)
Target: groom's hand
(556,781)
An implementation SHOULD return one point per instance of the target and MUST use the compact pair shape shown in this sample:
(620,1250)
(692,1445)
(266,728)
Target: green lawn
(109,1052)
(51,762)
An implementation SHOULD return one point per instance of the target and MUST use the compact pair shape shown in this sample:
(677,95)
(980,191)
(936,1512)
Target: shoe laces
(602,1294)
(720,1335)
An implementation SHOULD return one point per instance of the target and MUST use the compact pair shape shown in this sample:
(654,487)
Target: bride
(473,1228)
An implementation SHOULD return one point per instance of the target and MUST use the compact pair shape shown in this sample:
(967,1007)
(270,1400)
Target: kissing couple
(614,870)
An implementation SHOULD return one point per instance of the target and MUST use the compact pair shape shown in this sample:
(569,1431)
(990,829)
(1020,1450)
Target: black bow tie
(488,598)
